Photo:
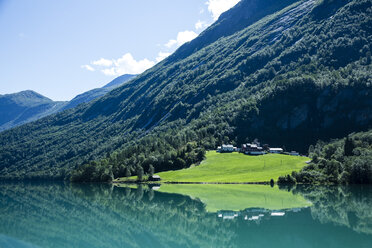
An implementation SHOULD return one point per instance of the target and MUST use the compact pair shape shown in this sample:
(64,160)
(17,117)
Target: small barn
(276,150)
(294,153)
(154,178)
(226,148)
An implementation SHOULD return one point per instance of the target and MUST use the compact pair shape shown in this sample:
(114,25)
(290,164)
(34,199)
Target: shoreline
(159,182)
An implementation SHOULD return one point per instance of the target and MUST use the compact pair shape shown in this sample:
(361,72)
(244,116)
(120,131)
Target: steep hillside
(238,18)
(292,77)
(96,93)
(119,80)
(27,106)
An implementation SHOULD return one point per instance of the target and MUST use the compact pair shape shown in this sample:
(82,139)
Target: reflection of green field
(237,167)
(237,196)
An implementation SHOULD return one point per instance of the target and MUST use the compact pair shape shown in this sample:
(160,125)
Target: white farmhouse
(276,150)
(226,148)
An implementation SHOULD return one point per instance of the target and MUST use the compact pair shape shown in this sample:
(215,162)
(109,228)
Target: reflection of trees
(55,215)
(349,206)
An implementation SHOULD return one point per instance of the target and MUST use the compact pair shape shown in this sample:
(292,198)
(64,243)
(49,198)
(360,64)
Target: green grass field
(238,196)
(237,168)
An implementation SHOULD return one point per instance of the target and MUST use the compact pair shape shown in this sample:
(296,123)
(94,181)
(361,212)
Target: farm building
(154,178)
(226,148)
(252,149)
(276,150)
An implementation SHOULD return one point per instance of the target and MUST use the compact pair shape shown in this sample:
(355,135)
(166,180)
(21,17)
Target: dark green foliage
(93,172)
(163,153)
(346,161)
(139,172)
(127,171)
(348,147)
(287,180)
(151,170)
(289,79)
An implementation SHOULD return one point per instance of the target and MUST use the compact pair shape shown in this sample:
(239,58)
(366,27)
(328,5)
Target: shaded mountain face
(27,106)
(295,75)
(119,80)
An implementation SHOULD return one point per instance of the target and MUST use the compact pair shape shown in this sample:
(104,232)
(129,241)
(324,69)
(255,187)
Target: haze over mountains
(26,106)
(286,72)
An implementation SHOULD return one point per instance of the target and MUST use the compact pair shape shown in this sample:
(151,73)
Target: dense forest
(298,74)
(344,161)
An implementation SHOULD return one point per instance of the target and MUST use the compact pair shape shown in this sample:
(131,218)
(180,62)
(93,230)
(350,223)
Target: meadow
(236,168)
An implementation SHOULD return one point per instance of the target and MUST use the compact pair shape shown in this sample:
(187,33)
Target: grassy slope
(237,167)
(238,197)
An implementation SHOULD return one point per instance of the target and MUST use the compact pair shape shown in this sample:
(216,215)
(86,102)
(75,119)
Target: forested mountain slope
(292,77)
(98,92)
(27,106)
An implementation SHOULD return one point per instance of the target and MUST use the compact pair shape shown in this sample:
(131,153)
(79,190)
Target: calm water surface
(63,215)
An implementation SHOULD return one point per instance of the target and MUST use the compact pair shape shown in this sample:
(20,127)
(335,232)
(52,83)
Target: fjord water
(91,215)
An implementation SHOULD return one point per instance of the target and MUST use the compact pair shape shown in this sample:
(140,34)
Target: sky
(63,48)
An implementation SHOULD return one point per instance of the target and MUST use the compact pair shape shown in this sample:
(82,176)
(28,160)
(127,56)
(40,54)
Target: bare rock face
(299,116)
(293,117)
(348,105)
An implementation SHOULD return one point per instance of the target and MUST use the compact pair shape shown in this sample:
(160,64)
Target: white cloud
(171,43)
(128,65)
(110,72)
(161,56)
(88,67)
(102,62)
(217,7)
(201,25)
(123,65)
(182,37)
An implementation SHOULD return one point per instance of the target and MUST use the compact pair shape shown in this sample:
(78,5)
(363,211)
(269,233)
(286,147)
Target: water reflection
(58,215)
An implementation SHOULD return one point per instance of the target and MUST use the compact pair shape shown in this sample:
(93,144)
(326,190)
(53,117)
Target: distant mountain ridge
(27,106)
(96,93)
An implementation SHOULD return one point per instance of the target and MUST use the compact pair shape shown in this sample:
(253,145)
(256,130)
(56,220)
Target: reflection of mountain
(344,206)
(55,215)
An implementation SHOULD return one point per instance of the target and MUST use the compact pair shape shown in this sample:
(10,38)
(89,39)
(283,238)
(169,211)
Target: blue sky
(63,48)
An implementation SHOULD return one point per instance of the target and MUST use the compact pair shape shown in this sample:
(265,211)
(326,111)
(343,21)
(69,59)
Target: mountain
(294,73)
(119,80)
(241,16)
(96,93)
(27,106)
